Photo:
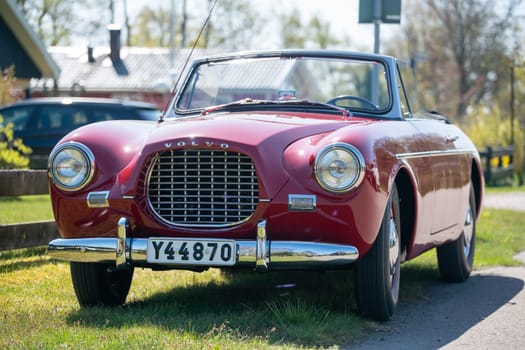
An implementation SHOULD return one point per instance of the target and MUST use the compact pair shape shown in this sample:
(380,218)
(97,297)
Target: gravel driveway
(485,312)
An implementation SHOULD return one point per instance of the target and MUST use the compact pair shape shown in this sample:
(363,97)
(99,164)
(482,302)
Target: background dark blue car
(42,122)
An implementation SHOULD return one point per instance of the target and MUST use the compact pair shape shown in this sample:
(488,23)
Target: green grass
(212,310)
(500,236)
(176,309)
(21,209)
(504,188)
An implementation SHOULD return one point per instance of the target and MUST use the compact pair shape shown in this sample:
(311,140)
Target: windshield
(357,85)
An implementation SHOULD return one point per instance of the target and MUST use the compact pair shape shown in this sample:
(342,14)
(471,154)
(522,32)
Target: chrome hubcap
(393,259)
(468,230)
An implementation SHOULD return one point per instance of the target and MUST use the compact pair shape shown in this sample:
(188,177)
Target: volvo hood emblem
(196,144)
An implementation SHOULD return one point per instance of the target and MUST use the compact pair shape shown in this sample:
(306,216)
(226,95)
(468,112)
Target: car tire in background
(456,258)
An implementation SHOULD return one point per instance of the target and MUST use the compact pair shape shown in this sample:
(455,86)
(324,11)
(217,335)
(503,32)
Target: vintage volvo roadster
(293,159)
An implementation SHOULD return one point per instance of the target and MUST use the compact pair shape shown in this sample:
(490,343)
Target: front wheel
(378,273)
(100,284)
(456,258)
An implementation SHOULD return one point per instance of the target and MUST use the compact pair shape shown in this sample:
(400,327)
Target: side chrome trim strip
(433,153)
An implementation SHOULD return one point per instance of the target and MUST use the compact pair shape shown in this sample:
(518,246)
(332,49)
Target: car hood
(248,129)
(122,147)
(263,137)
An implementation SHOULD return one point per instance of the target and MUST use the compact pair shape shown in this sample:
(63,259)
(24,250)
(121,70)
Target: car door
(441,151)
(450,171)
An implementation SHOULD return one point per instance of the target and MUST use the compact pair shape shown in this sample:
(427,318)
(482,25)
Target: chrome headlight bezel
(71,166)
(351,169)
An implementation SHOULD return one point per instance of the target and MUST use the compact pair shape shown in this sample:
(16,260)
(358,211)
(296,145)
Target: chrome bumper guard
(260,254)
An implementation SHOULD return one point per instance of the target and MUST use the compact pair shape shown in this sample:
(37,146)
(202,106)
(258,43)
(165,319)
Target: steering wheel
(360,100)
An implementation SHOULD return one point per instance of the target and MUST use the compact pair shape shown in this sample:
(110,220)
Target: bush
(13,153)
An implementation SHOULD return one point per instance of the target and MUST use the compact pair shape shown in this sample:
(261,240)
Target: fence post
(521,171)
(488,170)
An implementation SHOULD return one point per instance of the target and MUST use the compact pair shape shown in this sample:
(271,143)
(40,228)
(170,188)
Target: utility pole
(375,70)
(126,24)
(377,12)
(377,24)
(172,34)
(183,24)
(512,68)
(112,11)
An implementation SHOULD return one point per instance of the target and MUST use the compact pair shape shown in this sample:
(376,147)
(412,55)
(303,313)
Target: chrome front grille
(207,188)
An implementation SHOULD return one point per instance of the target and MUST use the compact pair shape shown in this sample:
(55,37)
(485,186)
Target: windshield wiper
(251,102)
(344,111)
(243,102)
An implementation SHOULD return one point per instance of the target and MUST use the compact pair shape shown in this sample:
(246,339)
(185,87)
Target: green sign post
(389,11)
(377,12)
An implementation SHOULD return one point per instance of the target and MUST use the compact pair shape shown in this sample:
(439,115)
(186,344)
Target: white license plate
(192,251)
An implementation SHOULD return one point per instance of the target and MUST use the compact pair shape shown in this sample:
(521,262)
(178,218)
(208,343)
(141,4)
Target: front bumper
(260,254)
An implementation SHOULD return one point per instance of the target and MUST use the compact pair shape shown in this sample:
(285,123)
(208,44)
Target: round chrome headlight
(71,166)
(339,167)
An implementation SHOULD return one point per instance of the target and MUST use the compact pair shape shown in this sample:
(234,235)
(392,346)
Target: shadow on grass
(10,199)
(20,259)
(22,265)
(246,306)
(416,278)
(297,308)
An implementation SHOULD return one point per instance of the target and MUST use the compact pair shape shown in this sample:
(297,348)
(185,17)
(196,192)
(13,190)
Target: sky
(342,14)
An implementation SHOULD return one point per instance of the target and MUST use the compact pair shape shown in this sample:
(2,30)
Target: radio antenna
(204,25)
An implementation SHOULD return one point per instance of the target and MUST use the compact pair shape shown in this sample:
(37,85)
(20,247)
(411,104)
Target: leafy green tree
(235,25)
(462,52)
(151,28)
(292,30)
(315,33)
(56,21)
(51,19)
(466,46)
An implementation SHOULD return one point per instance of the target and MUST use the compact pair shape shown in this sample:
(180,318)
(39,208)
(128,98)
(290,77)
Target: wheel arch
(407,208)
(477,181)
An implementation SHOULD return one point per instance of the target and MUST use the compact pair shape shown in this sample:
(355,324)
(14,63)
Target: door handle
(450,139)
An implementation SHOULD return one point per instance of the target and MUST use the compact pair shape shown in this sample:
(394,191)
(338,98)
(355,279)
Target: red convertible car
(293,159)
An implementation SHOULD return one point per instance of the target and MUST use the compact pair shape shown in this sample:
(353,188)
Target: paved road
(511,200)
(485,312)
